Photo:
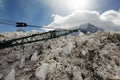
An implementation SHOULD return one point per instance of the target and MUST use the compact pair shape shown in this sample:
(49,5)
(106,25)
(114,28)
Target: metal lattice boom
(35,38)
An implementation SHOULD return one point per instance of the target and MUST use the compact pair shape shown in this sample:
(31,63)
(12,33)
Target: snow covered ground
(93,56)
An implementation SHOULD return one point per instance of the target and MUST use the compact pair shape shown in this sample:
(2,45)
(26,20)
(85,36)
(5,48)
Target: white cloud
(113,16)
(67,6)
(108,20)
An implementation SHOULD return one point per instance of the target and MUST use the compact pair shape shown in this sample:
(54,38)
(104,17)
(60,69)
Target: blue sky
(39,12)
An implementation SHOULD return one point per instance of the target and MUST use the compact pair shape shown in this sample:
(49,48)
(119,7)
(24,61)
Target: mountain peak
(89,24)
(88,27)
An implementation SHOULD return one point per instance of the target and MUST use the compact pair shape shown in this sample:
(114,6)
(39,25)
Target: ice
(22,62)
(35,56)
(1,76)
(84,52)
(41,71)
(68,48)
(11,75)
(93,56)
(51,66)
(76,74)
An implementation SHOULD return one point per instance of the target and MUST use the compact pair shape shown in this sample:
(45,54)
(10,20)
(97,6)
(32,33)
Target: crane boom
(35,38)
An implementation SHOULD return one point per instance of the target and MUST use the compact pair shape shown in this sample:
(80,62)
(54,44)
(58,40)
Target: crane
(34,37)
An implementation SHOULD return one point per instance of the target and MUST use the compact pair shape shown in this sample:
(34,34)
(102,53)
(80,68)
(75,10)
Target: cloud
(109,20)
(65,7)
(112,16)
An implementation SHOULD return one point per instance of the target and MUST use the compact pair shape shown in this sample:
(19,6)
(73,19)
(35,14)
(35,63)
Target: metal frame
(34,38)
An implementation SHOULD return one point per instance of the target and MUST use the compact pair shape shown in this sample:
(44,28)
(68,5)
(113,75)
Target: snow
(41,71)
(11,75)
(1,76)
(51,66)
(77,74)
(84,52)
(35,56)
(22,62)
(93,56)
(68,48)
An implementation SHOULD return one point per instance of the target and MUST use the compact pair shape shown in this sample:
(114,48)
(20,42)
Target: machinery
(34,37)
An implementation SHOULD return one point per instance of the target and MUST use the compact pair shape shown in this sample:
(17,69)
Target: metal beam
(35,38)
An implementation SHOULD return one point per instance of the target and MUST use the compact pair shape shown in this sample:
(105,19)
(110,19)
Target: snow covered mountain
(85,28)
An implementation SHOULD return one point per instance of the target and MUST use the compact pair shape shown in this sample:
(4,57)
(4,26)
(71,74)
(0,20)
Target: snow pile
(84,57)
(68,48)
(35,56)
(41,72)
(12,35)
(11,75)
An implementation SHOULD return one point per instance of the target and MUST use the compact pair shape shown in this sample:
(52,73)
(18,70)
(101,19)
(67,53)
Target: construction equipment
(35,38)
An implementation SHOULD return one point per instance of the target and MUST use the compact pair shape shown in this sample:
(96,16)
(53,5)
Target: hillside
(94,56)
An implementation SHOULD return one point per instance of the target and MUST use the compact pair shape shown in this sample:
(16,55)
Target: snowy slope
(89,28)
(86,28)
(85,57)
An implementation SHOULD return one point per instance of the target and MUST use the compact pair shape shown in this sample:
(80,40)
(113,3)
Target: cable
(7,23)
(22,24)
(7,20)
(34,26)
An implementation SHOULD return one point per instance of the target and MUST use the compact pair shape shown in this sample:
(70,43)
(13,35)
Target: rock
(22,62)
(84,52)
(35,56)
(11,75)
(12,58)
(76,74)
(84,57)
(1,76)
(22,79)
(41,71)
(52,66)
(114,78)
(68,48)
(81,34)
